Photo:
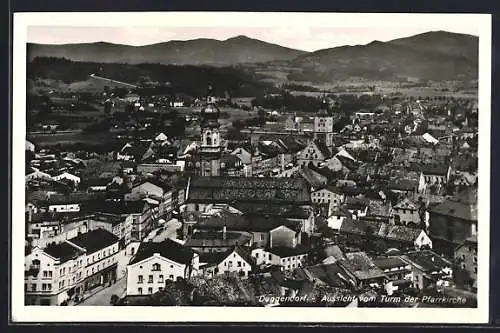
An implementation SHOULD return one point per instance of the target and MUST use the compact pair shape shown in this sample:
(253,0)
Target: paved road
(104,296)
(169,231)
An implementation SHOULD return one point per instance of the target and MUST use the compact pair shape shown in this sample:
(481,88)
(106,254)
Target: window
(33,287)
(160,280)
(270,257)
(139,291)
(475,259)
(239,263)
(44,287)
(156,267)
(256,255)
(45,274)
(160,289)
(261,237)
(150,279)
(139,279)
(171,277)
(475,270)
(150,290)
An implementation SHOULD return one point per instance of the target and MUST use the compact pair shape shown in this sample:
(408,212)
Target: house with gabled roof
(359,265)
(155,263)
(331,195)
(314,153)
(237,260)
(406,212)
(428,268)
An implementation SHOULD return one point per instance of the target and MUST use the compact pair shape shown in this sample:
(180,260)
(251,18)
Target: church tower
(323,125)
(210,150)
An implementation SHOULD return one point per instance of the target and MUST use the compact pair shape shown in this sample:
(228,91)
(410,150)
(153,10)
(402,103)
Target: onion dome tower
(323,125)
(210,150)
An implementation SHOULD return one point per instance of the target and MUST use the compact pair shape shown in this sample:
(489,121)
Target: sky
(306,36)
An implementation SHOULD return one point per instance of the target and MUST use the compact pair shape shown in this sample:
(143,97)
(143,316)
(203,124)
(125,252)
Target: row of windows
(104,254)
(45,287)
(475,258)
(289,259)
(238,263)
(47,274)
(325,201)
(403,211)
(293,265)
(140,278)
(150,290)
(98,268)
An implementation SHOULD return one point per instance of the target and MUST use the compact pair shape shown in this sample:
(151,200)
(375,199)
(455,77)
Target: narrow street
(104,296)
(167,231)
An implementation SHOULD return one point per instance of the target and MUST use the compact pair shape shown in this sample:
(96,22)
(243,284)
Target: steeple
(323,124)
(210,148)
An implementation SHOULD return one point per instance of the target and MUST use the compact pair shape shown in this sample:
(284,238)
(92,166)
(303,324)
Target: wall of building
(449,229)
(66,208)
(168,269)
(466,255)
(282,236)
(234,263)
(406,216)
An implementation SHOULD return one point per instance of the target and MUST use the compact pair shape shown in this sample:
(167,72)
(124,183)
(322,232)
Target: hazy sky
(299,36)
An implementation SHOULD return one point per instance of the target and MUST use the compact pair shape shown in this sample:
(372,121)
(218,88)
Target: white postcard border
(22,313)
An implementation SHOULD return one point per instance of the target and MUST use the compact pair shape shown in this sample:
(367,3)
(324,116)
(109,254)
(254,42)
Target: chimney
(224,231)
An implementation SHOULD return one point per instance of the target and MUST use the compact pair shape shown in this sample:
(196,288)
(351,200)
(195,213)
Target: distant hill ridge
(203,51)
(434,55)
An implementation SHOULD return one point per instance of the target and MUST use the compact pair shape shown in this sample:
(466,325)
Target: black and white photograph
(251,167)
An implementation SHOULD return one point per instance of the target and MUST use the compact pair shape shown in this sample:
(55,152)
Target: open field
(70,137)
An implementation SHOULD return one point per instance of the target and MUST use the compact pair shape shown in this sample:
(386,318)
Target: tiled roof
(229,189)
(389,262)
(430,169)
(216,239)
(254,223)
(63,251)
(406,204)
(167,249)
(331,274)
(323,148)
(95,240)
(403,184)
(218,257)
(287,211)
(359,227)
(312,178)
(399,233)
(464,206)
(362,266)
(428,260)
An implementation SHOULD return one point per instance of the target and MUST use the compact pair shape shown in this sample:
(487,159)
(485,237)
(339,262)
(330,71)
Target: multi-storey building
(155,263)
(57,273)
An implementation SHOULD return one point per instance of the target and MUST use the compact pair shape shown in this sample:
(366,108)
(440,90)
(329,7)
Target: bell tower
(323,125)
(210,150)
